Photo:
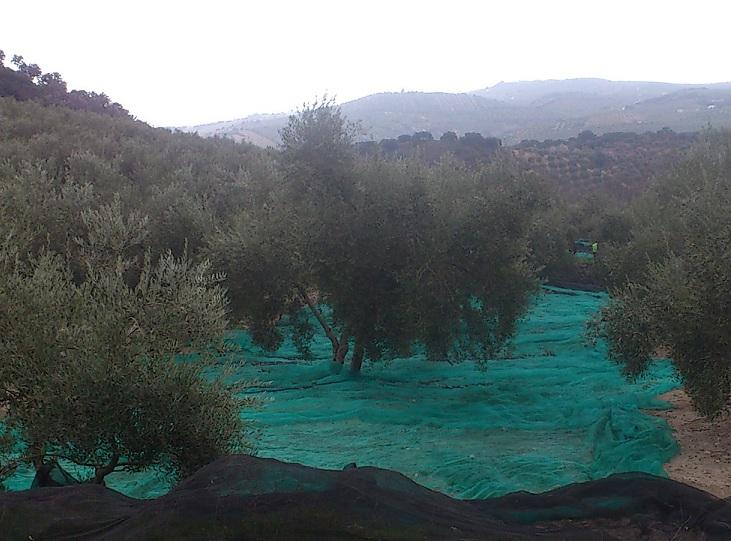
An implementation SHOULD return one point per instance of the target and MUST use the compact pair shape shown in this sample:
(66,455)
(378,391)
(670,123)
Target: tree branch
(321,319)
(10,467)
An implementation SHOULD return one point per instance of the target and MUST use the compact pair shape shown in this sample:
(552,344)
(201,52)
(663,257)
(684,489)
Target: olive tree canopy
(402,255)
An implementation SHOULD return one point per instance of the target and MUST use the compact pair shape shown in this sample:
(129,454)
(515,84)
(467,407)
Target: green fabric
(556,411)
(584,257)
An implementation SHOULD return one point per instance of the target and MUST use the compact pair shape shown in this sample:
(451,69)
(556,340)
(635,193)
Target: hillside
(527,92)
(387,115)
(517,111)
(27,82)
(617,164)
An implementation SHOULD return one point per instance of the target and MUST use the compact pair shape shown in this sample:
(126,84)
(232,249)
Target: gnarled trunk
(101,472)
(35,451)
(340,345)
(322,321)
(343,347)
(357,360)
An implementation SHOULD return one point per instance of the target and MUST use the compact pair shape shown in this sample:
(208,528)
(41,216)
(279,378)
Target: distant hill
(387,115)
(527,92)
(556,109)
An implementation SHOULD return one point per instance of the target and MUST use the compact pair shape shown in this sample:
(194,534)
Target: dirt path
(704,460)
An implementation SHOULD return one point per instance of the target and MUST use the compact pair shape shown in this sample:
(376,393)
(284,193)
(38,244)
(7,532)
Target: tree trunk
(323,323)
(36,455)
(342,350)
(101,472)
(357,360)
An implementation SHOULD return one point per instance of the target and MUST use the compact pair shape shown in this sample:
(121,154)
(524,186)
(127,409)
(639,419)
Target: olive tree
(401,254)
(89,373)
(680,299)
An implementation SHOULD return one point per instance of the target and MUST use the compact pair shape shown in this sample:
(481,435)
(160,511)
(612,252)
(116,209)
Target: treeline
(472,148)
(28,82)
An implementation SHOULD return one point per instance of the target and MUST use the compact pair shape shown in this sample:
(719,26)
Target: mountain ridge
(516,111)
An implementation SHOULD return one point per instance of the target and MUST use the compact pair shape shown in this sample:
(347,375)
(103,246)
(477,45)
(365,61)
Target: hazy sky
(181,63)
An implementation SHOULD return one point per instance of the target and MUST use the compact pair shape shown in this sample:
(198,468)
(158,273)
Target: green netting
(584,256)
(556,411)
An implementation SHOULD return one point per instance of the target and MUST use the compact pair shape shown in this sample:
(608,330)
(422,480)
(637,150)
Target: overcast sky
(175,63)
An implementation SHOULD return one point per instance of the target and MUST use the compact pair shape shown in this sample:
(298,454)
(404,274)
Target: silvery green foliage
(88,372)
(404,255)
(110,234)
(103,319)
(679,299)
(40,211)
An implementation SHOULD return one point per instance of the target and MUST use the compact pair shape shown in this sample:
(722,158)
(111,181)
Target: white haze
(182,63)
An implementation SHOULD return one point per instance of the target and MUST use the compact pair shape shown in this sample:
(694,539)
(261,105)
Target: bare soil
(704,460)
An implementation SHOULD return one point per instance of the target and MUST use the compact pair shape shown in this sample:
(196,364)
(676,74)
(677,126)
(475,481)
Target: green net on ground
(555,412)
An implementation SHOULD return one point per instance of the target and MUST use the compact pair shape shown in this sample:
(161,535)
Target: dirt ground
(704,460)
